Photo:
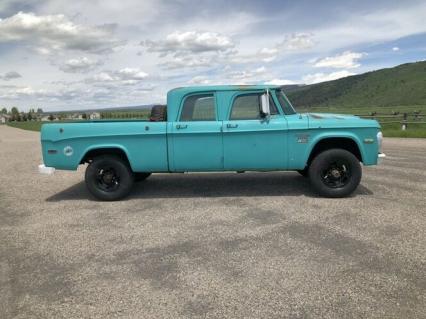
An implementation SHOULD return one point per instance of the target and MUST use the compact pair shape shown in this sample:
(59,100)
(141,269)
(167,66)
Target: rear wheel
(335,173)
(109,178)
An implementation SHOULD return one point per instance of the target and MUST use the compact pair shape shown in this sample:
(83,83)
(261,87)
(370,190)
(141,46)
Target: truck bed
(64,145)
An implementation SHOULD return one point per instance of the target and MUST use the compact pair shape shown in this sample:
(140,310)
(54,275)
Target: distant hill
(398,86)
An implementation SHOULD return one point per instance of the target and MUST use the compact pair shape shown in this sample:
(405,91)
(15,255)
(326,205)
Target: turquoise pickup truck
(216,128)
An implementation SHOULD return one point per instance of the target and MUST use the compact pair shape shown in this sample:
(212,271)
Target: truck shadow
(197,185)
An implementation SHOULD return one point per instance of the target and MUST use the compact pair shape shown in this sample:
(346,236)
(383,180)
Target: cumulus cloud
(247,76)
(322,77)
(279,82)
(10,76)
(55,32)
(80,65)
(190,42)
(291,43)
(297,41)
(345,60)
(125,76)
(200,79)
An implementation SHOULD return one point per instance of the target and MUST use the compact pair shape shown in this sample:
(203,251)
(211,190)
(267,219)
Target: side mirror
(264,101)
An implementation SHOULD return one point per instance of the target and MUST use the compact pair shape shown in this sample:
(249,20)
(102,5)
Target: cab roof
(204,88)
(175,96)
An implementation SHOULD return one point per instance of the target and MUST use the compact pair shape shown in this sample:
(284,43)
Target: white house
(95,116)
(4,118)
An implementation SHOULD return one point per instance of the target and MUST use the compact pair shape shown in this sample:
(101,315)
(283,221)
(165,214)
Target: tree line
(16,115)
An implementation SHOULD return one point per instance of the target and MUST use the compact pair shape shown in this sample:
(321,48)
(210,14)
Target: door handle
(181,126)
(231,125)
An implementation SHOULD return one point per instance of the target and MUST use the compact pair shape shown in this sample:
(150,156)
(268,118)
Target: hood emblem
(302,138)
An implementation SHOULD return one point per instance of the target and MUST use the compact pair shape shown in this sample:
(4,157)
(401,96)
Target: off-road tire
(335,173)
(109,178)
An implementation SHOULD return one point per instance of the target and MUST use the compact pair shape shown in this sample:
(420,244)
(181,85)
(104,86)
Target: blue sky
(63,55)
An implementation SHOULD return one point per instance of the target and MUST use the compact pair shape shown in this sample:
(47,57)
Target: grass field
(29,126)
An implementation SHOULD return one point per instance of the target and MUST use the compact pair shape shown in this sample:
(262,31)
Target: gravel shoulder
(225,245)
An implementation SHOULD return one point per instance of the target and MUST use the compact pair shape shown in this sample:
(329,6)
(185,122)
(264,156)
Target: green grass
(394,130)
(29,126)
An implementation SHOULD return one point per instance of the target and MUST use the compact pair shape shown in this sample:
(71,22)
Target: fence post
(404,122)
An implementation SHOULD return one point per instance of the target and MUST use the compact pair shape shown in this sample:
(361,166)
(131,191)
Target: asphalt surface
(254,245)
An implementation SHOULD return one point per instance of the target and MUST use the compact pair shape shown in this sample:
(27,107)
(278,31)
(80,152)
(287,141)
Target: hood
(321,120)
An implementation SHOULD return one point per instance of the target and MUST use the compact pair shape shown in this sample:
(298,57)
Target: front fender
(322,136)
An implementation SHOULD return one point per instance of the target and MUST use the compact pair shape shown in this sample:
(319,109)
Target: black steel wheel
(335,173)
(109,178)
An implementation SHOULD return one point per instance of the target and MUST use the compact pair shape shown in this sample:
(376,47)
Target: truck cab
(217,128)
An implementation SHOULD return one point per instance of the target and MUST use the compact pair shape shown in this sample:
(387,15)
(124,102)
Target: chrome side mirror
(264,101)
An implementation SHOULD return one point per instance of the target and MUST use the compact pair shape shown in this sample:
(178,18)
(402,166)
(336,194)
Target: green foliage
(30,126)
(398,86)
(3,111)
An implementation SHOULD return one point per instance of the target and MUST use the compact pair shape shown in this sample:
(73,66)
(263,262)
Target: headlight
(380,140)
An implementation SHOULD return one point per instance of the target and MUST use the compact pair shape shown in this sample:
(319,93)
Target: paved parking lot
(254,245)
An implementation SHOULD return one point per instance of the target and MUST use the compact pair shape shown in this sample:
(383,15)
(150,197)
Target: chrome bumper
(45,170)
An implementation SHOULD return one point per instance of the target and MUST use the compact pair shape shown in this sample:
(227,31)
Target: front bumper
(45,170)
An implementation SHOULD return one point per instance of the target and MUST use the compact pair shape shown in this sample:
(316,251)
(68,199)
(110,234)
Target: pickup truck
(216,128)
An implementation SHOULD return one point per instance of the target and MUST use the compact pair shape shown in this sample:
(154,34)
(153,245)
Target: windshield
(285,103)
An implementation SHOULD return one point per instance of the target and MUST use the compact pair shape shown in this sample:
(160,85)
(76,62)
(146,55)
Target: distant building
(95,116)
(77,116)
(47,118)
(4,118)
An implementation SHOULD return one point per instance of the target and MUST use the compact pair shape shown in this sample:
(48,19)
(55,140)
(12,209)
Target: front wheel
(109,178)
(335,173)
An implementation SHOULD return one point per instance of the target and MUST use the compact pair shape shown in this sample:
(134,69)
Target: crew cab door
(250,141)
(196,136)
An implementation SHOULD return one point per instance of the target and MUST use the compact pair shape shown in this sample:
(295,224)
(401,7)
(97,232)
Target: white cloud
(190,42)
(298,42)
(248,76)
(395,49)
(199,79)
(345,60)
(10,76)
(279,82)
(56,32)
(189,62)
(125,76)
(322,77)
(80,65)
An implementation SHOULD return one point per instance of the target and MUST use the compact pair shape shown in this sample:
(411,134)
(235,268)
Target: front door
(197,135)
(250,141)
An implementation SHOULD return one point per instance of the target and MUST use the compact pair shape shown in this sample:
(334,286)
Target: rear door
(251,142)
(196,136)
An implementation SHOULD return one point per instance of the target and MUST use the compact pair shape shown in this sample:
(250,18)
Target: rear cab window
(198,107)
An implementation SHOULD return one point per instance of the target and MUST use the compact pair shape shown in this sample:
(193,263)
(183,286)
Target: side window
(247,107)
(272,107)
(199,107)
